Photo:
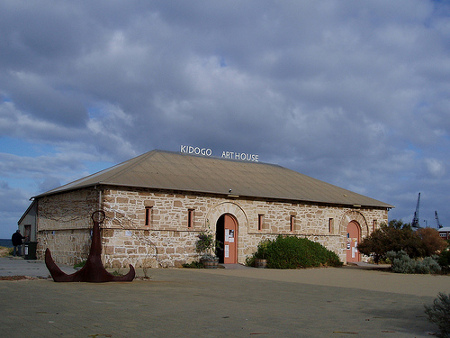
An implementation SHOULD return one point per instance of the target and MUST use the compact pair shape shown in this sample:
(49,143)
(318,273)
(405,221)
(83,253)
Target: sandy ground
(352,277)
(330,302)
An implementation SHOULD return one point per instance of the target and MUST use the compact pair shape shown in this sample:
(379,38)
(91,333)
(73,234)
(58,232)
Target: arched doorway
(353,238)
(226,235)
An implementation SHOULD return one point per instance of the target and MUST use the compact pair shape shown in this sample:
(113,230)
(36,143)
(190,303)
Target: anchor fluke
(93,271)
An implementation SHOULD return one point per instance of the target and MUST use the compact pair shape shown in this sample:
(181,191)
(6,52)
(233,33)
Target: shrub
(444,261)
(402,263)
(194,265)
(439,313)
(291,252)
(428,265)
(205,243)
(432,243)
(80,264)
(396,236)
(261,251)
(250,260)
(117,273)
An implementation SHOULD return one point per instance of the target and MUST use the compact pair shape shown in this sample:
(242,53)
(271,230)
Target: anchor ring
(99,215)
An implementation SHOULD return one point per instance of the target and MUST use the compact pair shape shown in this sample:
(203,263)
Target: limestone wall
(66,246)
(64,225)
(150,229)
(168,241)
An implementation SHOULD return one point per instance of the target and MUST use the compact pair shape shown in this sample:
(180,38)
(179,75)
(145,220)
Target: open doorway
(226,234)
(353,238)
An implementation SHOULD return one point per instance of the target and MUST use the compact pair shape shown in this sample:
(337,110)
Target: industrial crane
(437,220)
(415,221)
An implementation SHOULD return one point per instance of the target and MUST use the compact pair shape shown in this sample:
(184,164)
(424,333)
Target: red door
(230,240)
(353,237)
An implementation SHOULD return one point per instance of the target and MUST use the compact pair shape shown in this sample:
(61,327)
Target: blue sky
(353,93)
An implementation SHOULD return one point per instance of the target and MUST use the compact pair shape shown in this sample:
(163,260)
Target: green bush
(80,264)
(205,242)
(250,260)
(439,313)
(444,261)
(261,252)
(117,273)
(290,252)
(402,263)
(194,265)
(428,265)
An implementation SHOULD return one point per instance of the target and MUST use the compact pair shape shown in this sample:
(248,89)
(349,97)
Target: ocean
(6,242)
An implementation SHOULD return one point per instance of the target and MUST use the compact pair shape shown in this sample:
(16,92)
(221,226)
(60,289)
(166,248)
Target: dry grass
(4,251)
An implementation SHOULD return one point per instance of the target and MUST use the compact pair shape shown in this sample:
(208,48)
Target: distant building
(156,205)
(27,223)
(444,232)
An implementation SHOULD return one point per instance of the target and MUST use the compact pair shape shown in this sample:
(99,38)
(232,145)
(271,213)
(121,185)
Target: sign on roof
(225,154)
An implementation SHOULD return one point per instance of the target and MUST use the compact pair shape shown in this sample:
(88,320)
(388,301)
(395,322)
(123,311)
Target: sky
(354,93)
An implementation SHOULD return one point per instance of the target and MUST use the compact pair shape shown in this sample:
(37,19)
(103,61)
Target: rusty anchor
(93,271)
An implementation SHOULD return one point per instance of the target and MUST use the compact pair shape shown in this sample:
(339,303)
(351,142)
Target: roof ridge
(220,158)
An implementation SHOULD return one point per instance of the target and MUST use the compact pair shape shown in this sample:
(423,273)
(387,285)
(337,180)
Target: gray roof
(178,171)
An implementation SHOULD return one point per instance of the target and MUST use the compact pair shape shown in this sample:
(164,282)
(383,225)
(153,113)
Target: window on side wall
(190,218)
(148,216)
(260,222)
(374,224)
(331,225)
(292,223)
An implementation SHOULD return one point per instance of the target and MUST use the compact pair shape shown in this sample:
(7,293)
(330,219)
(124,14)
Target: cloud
(13,203)
(45,100)
(435,167)
(349,92)
(11,200)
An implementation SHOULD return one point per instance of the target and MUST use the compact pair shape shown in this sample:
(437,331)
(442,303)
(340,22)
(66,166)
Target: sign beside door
(229,235)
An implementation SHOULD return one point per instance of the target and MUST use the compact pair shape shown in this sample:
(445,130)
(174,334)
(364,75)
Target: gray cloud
(352,93)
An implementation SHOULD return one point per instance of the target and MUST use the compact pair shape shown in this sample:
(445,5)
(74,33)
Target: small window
(374,224)
(260,221)
(331,225)
(190,218)
(148,215)
(292,223)
(27,232)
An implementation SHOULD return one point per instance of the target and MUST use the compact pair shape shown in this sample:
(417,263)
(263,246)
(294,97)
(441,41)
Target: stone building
(156,205)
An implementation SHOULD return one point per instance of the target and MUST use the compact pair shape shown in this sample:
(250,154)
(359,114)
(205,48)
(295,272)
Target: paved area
(231,302)
(17,266)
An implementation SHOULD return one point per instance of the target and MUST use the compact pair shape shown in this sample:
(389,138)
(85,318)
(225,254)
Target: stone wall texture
(150,228)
